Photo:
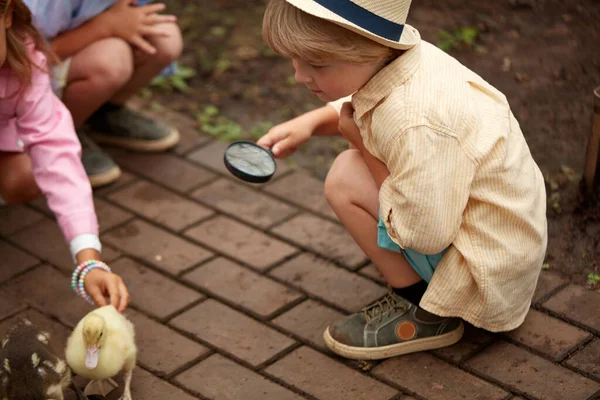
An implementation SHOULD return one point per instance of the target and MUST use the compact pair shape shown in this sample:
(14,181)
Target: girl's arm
(45,126)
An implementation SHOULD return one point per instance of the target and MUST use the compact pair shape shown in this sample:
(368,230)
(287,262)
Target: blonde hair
(294,33)
(21,34)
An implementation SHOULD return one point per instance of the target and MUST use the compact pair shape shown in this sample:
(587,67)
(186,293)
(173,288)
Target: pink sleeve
(46,128)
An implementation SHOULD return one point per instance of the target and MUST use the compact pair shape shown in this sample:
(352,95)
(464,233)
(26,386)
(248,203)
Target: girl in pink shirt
(40,152)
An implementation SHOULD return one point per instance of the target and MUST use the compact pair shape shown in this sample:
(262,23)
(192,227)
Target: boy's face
(334,80)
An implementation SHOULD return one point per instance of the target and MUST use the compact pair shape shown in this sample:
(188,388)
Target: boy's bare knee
(168,49)
(338,184)
(116,69)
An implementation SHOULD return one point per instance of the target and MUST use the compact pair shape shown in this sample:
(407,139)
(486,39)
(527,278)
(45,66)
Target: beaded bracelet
(79,274)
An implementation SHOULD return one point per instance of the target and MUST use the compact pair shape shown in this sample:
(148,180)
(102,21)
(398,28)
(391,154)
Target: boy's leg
(95,74)
(17,184)
(393,325)
(118,125)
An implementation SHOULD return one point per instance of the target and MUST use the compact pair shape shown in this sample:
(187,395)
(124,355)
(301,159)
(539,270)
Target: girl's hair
(294,33)
(21,34)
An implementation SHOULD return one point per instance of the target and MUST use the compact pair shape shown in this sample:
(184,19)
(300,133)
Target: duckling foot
(127,390)
(101,387)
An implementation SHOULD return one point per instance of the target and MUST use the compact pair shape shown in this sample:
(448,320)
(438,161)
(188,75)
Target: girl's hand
(101,284)
(285,138)
(132,23)
(348,128)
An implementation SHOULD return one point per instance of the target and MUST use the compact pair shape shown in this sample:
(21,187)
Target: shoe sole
(105,178)
(379,353)
(140,145)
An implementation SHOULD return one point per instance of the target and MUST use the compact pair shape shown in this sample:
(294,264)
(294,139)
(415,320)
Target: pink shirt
(38,121)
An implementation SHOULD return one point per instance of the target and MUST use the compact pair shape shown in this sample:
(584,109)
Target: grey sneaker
(390,327)
(99,167)
(125,128)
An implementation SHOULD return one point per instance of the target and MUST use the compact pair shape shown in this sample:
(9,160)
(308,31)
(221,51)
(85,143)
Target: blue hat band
(364,18)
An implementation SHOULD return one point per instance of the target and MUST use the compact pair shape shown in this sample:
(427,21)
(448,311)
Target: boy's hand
(101,284)
(285,138)
(348,128)
(132,23)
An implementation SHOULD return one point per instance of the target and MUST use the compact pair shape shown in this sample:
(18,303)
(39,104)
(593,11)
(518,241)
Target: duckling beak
(91,357)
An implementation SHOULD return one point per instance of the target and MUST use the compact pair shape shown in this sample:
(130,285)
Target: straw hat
(380,20)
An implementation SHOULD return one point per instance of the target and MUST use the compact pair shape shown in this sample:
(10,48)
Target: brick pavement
(233,284)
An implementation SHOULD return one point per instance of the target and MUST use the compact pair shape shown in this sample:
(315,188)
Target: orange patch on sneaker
(406,330)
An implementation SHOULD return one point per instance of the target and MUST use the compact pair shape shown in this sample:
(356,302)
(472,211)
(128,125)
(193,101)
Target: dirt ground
(543,54)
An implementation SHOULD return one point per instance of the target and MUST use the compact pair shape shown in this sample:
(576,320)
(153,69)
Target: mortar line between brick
(219,212)
(108,190)
(190,364)
(595,396)
(567,320)
(551,293)
(16,312)
(39,263)
(197,266)
(559,360)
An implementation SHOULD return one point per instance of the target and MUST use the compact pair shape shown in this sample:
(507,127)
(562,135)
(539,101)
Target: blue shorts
(424,264)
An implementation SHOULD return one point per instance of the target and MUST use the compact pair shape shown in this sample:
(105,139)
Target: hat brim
(410,36)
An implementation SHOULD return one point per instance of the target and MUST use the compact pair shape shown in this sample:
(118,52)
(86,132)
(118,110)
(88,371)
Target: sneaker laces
(389,303)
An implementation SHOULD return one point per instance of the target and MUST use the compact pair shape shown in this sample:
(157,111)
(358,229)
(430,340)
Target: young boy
(439,188)
(109,50)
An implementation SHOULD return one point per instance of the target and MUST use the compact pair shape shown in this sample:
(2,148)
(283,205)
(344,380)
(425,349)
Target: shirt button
(20,143)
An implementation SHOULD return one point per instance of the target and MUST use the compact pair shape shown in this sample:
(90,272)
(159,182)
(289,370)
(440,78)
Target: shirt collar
(386,80)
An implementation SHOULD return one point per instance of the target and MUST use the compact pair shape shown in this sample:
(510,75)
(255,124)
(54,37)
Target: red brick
(372,271)
(108,215)
(46,241)
(220,378)
(303,190)
(323,237)
(325,378)
(58,332)
(156,246)
(245,244)
(110,254)
(246,204)
(166,169)
(188,133)
(15,218)
(587,359)
(152,292)
(146,386)
(211,156)
(50,291)
(243,287)
(233,332)
(9,305)
(329,282)
(308,321)
(577,304)
(160,205)
(473,340)
(160,349)
(548,335)
(531,374)
(14,261)
(436,380)
(547,283)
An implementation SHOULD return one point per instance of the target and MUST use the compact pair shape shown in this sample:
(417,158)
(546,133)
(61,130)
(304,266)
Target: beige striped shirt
(461,176)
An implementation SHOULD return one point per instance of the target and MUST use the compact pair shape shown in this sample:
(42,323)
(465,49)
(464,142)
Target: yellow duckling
(102,345)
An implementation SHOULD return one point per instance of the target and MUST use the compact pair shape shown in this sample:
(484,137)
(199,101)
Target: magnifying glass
(250,162)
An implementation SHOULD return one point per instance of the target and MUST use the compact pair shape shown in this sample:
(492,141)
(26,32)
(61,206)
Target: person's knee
(19,187)
(114,67)
(168,49)
(339,185)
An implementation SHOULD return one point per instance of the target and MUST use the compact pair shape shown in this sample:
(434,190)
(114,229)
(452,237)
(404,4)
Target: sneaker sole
(105,178)
(379,353)
(140,145)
